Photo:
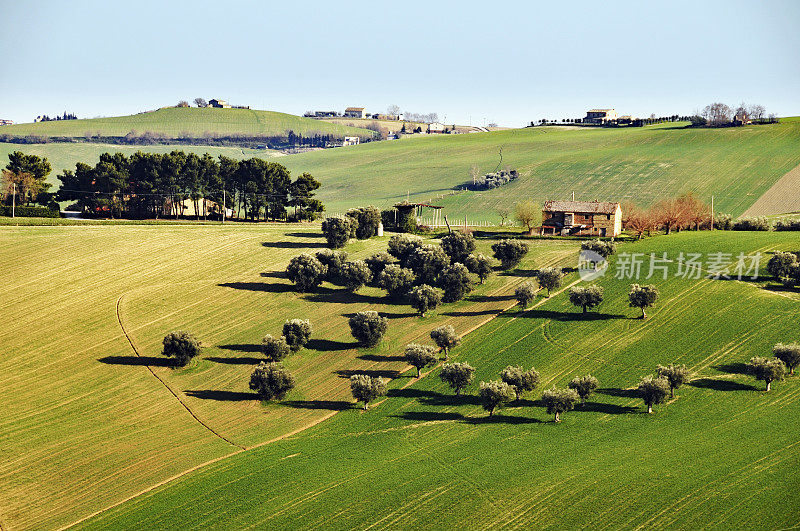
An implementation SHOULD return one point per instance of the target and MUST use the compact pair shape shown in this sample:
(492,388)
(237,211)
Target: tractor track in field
(167,387)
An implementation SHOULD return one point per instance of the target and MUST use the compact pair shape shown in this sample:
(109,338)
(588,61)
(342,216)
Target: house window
(608,216)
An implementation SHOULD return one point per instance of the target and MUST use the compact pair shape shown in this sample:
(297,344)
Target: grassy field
(175,122)
(722,454)
(86,423)
(736,165)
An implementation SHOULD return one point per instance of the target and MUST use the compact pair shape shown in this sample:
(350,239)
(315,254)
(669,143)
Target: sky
(470,62)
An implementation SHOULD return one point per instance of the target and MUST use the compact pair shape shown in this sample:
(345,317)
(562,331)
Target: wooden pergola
(406,207)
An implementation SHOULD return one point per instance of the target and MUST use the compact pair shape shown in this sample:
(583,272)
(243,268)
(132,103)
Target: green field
(189,121)
(722,454)
(735,165)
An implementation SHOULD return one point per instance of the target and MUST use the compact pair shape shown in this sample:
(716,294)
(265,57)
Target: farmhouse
(354,112)
(436,127)
(321,114)
(187,208)
(600,116)
(393,117)
(351,141)
(581,218)
(6,122)
(219,104)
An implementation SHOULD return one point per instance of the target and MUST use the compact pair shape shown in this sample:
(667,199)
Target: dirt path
(781,198)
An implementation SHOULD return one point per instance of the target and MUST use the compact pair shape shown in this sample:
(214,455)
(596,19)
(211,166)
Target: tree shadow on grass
(500,418)
(608,409)
(781,288)
(489,298)
(228,396)
(237,361)
(383,373)
(142,361)
(293,245)
(259,286)
(332,405)
(305,235)
(343,296)
(434,399)
(274,274)
(330,345)
(732,368)
(721,385)
(473,313)
(388,315)
(569,316)
(622,393)
(523,273)
(429,416)
(241,347)
(377,357)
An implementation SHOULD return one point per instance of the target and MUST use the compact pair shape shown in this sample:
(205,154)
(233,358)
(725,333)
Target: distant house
(206,207)
(600,116)
(354,112)
(393,117)
(6,122)
(219,104)
(324,114)
(581,218)
(351,141)
(436,127)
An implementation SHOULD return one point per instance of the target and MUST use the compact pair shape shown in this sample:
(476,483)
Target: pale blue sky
(508,62)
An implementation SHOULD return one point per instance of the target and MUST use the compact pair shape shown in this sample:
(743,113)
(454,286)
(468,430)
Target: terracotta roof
(354,109)
(600,110)
(581,207)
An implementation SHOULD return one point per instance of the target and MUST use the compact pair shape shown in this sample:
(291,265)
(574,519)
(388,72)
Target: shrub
(789,224)
(271,381)
(367,388)
(604,249)
(274,348)
(306,272)
(297,332)
(780,265)
(181,346)
(766,369)
(333,260)
(479,265)
(355,275)
(723,222)
(30,212)
(522,381)
(457,375)
(445,338)
(549,278)
(495,394)
(653,391)
(788,354)
(427,262)
(758,224)
(584,386)
(364,221)
(559,400)
(424,298)
(586,297)
(642,297)
(456,282)
(676,376)
(368,327)
(377,262)
(396,280)
(525,293)
(458,246)
(402,246)
(510,252)
(419,356)
(336,231)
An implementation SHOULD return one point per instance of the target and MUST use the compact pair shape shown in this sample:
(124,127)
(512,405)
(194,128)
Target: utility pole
(712,212)
(224,205)
(13,199)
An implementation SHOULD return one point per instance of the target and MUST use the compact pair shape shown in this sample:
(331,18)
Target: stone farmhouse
(581,218)
(219,104)
(600,116)
(354,112)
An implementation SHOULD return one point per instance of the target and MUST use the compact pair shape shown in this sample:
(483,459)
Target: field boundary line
(173,393)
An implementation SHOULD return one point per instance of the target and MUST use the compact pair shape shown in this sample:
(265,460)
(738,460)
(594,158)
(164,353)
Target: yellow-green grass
(174,122)
(722,454)
(85,422)
(735,165)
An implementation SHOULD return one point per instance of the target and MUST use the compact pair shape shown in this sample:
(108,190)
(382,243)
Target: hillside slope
(189,121)
(736,165)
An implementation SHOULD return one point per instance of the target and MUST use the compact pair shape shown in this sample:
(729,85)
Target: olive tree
(297,333)
(676,376)
(495,394)
(559,400)
(766,369)
(364,221)
(456,282)
(396,280)
(424,298)
(274,348)
(445,338)
(181,346)
(306,272)
(271,381)
(788,354)
(521,380)
(642,297)
(377,262)
(458,246)
(780,265)
(479,265)
(653,391)
(337,231)
(586,297)
(510,252)
(368,327)
(584,386)
(419,356)
(367,388)
(457,375)
(549,278)
(355,275)
(428,262)
(333,260)
(525,293)
(604,249)
(402,246)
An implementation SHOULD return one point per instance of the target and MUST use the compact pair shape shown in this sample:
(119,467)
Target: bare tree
(757,112)
(717,114)
(200,102)
(393,110)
